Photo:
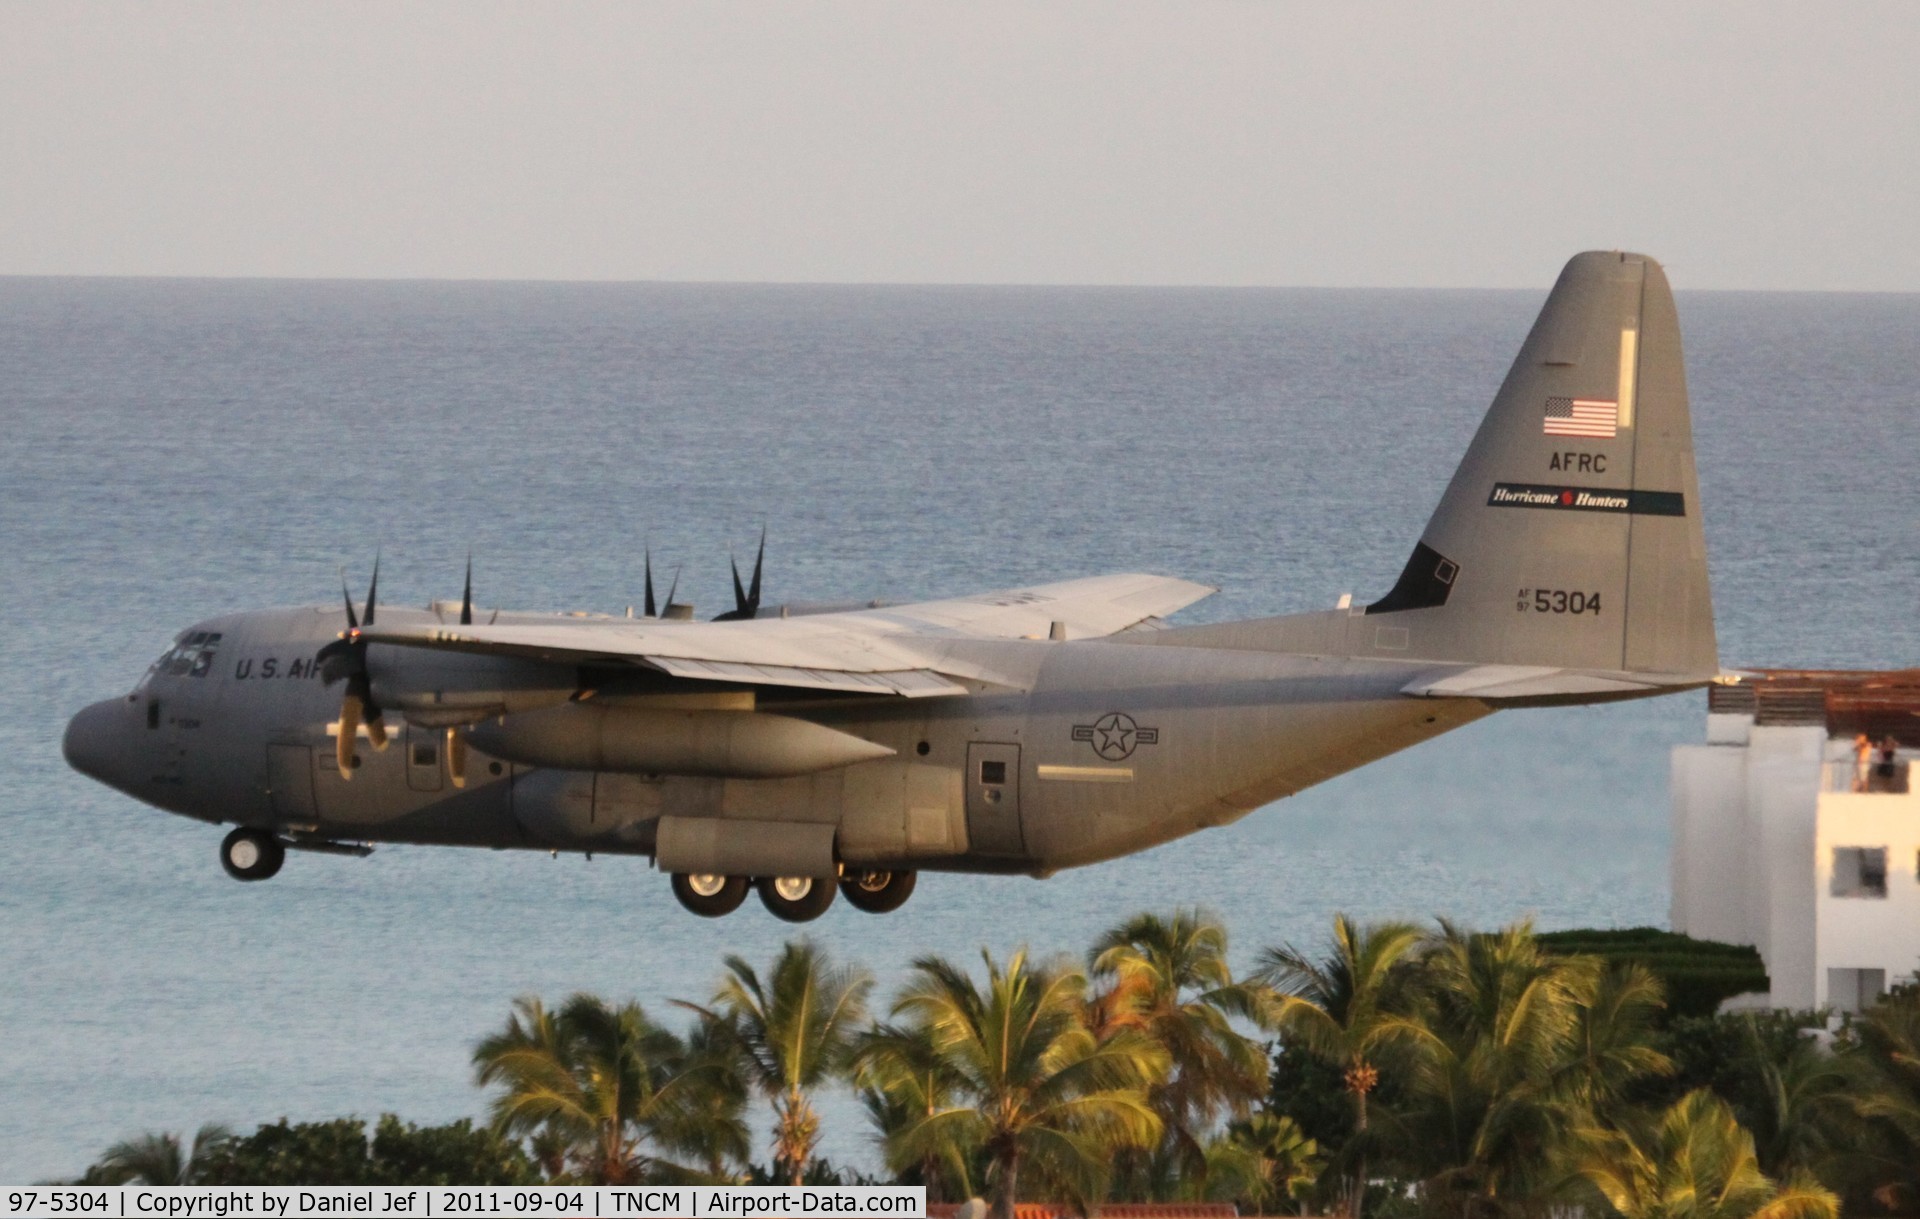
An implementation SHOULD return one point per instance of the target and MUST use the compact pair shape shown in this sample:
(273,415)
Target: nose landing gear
(249,854)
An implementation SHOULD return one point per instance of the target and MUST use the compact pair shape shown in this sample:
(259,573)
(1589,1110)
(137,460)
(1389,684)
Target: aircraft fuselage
(1114,747)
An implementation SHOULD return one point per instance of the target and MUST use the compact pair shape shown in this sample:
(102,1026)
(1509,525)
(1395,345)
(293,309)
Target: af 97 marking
(1557,601)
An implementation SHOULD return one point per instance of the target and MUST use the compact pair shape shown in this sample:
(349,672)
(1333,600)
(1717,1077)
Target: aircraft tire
(877,892)
(796,899)
(249,854)
(710,896)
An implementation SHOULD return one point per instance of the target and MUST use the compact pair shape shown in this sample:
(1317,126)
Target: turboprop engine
(648,740)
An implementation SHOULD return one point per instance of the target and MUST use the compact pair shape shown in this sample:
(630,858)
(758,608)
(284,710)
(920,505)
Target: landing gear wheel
(709,895)
(251,854)
(877,892)
(797,899)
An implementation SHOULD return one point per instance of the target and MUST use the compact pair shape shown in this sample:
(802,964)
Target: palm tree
(616,1091)
(791,1034)
(1037,1088)
(1263,1160)
(1697,1163)
(903,1079)
(1169,979)
(715,1138)
(1512,1049)
(1884,1093)
(1492,1093)
(1616,1017)
(1347,1008)
(156,1159)
(1803,1101)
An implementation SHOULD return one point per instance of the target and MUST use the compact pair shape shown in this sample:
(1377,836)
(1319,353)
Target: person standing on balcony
(1885,770)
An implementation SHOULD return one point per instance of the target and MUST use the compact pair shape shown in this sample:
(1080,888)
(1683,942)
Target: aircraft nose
(92,736)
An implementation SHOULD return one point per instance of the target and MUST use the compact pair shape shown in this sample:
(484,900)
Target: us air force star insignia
(1115,735)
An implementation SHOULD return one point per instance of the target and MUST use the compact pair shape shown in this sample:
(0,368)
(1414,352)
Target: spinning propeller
(346,657)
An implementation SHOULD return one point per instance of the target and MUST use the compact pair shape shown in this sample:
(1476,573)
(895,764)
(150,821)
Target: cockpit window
(203,659)
(190,656)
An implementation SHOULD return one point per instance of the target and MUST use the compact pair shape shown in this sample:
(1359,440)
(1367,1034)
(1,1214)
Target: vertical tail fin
(1570,535)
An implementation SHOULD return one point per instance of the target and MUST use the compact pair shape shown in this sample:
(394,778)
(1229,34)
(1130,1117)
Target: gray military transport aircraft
(803,753)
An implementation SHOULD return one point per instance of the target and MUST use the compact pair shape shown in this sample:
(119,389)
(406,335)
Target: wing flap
(910,683)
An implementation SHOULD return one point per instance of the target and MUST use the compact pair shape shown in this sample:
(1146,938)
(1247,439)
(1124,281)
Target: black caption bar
(1587,499)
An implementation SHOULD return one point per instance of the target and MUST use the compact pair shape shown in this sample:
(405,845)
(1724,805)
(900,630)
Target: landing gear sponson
(254,854)
(796,899)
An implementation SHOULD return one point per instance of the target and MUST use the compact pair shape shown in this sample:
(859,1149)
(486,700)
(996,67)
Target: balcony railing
(1845,776)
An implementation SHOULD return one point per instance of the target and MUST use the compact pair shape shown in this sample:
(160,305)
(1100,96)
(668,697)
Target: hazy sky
(1747,145)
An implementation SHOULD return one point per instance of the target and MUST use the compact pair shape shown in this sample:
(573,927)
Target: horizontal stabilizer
(1496,683)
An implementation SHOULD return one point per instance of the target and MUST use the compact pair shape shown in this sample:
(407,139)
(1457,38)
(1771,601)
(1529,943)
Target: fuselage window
(993,772)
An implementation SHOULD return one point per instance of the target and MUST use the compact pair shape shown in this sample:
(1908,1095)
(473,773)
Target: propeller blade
(456,757)
(349,728)
(739,590)
(353,624)
(373,588)
(466,595)
(673,588)
(377,728)
(753,593)
(653,611)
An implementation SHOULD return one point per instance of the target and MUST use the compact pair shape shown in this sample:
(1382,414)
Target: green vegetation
(322,1153)
(1393,1072)
(607,1096)
(1699,975)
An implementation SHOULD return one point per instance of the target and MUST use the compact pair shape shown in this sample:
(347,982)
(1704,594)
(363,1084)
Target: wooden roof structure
(1879,702)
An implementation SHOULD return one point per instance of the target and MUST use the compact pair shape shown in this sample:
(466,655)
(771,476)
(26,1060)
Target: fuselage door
(290,783)
(993,799)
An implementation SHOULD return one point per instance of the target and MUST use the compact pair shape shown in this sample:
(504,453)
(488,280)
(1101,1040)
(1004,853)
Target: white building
(1773,846)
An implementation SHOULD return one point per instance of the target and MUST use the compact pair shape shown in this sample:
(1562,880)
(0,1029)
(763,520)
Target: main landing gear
(796,899)
(707,895)
(877,892)
(249,854)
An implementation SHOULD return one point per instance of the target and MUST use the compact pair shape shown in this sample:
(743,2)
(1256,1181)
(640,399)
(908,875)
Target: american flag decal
(1581,417)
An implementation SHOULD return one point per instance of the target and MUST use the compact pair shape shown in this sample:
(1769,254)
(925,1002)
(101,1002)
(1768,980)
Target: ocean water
(170,449)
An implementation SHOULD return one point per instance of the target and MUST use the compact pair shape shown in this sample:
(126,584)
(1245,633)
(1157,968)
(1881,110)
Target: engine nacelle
(647,740)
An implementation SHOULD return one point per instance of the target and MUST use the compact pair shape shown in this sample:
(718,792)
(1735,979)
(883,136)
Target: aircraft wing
(897,650)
